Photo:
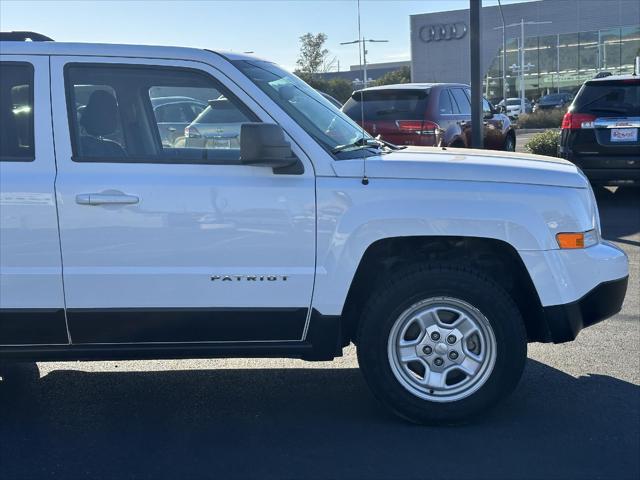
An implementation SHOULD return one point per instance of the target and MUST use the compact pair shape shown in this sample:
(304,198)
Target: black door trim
(181,325)
(324,342)
(33,326)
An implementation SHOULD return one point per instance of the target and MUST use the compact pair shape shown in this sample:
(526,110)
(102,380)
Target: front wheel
(509,143)
(439,344)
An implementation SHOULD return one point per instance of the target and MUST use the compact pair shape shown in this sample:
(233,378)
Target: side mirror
(263,145)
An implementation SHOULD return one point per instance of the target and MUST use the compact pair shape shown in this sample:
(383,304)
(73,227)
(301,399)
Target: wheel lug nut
(451,339)
(438,362)
(427,350)
(435,336)
(453,355)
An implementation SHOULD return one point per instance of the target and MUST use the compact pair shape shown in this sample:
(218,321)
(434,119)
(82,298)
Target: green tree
(402,75)
(313,57)
(338,88)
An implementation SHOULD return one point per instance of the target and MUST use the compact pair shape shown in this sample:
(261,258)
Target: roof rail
(24,37)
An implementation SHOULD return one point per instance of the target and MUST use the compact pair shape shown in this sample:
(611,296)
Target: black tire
(423,281)
(17,376)
(510,143)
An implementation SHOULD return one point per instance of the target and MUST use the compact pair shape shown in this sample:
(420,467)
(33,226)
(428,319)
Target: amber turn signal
(570,240)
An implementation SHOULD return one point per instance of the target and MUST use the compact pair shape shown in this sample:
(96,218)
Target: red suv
(433,114)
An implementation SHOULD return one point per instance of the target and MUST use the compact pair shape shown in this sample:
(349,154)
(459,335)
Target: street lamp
(522,66)
(364,41)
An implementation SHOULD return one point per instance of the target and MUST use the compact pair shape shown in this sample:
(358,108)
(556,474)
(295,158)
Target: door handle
(106,199)
(172,129)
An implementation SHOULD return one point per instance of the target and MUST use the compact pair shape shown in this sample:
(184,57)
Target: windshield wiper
(609,109)
(364,142)
(390,145)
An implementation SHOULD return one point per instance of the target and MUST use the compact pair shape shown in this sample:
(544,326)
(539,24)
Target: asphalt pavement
(575,414)
(522,139)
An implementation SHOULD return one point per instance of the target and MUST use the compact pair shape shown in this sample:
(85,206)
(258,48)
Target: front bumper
(612,175)
(576,288)
(564,322)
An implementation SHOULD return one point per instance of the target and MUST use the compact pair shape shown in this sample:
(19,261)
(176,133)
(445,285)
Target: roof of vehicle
(411,86)
(115,50)
(612,78)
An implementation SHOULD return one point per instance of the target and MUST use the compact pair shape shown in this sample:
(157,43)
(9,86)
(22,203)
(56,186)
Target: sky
(269,28)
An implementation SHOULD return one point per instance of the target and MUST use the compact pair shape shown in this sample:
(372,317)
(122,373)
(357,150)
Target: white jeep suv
(285,231)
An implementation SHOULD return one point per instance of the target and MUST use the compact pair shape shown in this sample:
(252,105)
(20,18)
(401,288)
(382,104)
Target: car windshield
(387,104)
(220,110)
(314,113)
(617,97)
(553,98)
(513,101)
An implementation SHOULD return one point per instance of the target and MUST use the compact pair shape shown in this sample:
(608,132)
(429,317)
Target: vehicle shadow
(619,213)
(311,423)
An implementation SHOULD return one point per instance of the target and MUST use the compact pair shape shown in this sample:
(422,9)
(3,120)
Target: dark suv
(553,101)
(600,130)
(427,115)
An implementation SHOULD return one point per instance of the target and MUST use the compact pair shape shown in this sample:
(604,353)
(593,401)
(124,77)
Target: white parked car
(513,107)
(303,236)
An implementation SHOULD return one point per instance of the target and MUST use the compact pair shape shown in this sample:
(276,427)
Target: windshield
(514,101)
(553,98)
(621,97)
(314,113)
(387,104)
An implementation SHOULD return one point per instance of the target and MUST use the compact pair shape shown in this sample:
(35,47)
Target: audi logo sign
(442,31)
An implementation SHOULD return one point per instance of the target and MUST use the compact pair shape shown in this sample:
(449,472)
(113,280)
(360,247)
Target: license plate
(220,143)
(624,134)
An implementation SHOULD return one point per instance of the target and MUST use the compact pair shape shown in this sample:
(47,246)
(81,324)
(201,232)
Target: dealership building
(565,43)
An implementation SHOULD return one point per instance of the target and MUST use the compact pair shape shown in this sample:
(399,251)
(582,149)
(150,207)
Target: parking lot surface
(521,141)
(575,415)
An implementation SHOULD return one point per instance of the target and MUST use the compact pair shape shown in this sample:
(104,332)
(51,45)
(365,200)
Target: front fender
(352,216)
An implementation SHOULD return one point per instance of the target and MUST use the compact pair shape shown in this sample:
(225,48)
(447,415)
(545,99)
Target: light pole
(364,41)
(522,66)
(504,57)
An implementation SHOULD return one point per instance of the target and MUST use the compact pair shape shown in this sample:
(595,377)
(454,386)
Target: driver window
(127,113)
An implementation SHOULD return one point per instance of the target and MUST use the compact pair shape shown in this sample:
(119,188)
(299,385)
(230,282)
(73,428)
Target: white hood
(435,163)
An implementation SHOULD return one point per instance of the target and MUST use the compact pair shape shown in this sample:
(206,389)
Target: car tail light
(191,132)
(576,121)
(417,126)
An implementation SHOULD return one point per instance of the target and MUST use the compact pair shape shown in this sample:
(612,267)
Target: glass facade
(561,63)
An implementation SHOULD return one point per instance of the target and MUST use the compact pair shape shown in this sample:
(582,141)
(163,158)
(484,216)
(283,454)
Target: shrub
(542,119)
(545,143)
(338,88)
(402,75)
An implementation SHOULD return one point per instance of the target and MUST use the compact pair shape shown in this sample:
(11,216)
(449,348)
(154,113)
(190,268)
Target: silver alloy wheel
(442,349)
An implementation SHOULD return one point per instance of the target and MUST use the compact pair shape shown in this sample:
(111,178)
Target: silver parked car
(217,126)
(173,114)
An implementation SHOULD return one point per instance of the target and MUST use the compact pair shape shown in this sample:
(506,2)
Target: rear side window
(16,112)
(461,101)
(615,97)
(388,104)
(124,113)
(444,103)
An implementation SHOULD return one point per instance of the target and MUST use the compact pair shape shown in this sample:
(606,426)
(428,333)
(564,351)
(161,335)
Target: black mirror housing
(263,144)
